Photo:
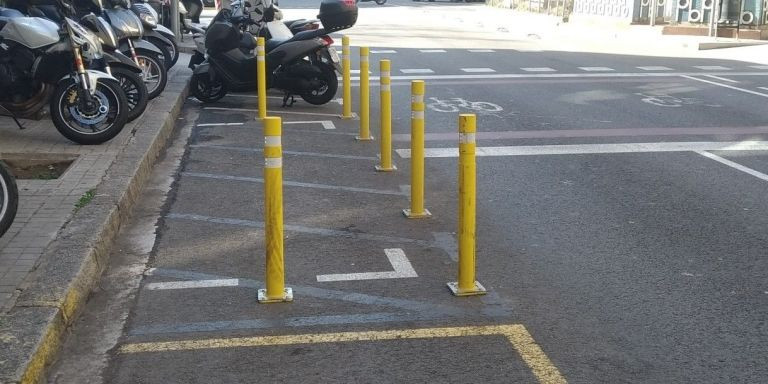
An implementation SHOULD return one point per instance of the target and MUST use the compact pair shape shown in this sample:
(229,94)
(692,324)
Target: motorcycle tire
(9,199)
(154,72)
(170,52)
(135,91)
(327,92)
(381,2)
(89,127)
(202,88)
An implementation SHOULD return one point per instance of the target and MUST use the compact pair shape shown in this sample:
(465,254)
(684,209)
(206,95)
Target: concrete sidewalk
(54,252)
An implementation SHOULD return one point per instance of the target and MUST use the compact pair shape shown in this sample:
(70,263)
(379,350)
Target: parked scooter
(156,33)
(129,31)
(36,67)
(304,64)
(9,199)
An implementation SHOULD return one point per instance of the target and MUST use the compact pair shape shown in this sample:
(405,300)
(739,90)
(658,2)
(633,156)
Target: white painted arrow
(402,269)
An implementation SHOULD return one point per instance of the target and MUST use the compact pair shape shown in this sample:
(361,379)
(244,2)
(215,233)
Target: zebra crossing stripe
(539,69)
(655,68)
(596,69)
(477,70)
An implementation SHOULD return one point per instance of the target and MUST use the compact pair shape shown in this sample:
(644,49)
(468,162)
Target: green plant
(85,199)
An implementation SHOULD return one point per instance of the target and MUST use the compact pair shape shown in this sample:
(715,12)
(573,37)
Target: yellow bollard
(273,214)
(467,285)
(386,118)
(365,97)
(261,77)
(347,82)
(417,210)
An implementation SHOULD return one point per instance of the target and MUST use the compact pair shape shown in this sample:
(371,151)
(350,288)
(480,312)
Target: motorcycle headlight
(148,20)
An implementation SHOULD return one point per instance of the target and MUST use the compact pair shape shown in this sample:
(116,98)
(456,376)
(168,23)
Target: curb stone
(54,294)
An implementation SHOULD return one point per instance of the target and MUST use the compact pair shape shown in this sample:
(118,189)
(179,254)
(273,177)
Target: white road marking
(432,50)
(727,86)
(579,149)
(252,96)
(383,51)
(327,124)
(358,71)
(417,70)
(712,67)
(481,50)
(402,269)
(721,78)
(477,70)
(602,75)
(759,66)
(192,284)
(539,69)
(596,69)
(218,124)
(655,68)
(763,88)
(734,165)
(275,111)
(292,183)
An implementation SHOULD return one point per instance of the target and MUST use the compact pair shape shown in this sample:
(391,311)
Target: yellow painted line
(521,340)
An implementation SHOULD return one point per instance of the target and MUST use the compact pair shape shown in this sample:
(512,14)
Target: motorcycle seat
(274,43)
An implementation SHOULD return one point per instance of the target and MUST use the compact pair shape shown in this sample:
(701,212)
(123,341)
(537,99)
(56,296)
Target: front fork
(133,53)
(84,96)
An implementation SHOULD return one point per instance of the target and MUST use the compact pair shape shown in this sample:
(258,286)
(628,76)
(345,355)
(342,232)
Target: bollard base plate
(359,138)
(424,215)
(380,168)
(263,299)
(478,290)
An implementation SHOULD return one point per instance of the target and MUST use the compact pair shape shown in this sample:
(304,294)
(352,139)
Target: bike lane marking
(518,336)
(712,67)
(751,92)
(402,269)
(734,165)
(275,111)
(655,68)
(721,78)
(478,70)
(417,70)
(539,69)
(596,69)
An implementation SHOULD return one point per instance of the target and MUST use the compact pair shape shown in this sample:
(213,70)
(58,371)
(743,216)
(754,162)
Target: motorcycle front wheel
(92,123)
(9,199)
(206,90)
(153,71)
(381,2)
(135,91)
(328,84)
(170,52)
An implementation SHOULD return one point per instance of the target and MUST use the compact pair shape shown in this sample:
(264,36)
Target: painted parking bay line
(531,353)
(327,124)
(402,269)
(751,92)
(734,165)
(293,183)
(577,149)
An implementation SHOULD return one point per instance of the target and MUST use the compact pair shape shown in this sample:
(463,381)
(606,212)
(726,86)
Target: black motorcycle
(304,64)
(156,33)
(9,199)
(42,62)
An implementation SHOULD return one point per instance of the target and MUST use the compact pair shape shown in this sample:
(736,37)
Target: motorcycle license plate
(334,54)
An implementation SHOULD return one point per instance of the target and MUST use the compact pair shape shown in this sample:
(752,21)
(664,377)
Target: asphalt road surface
(621,232)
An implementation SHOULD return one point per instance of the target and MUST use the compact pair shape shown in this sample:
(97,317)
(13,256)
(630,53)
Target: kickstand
(287,97)
(12,116)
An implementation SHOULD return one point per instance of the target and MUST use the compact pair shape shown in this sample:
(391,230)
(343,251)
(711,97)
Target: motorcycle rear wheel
(88,127)
(170,52)
(206,91)
(9,199)
(327,91)
(135,91)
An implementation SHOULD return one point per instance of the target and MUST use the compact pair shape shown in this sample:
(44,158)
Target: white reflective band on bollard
(276,162)
(384,73)
(386,87)
(466,138)
(417,98)
(418,115)
(272,141)
(259,58)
